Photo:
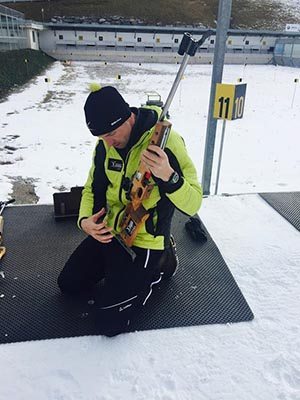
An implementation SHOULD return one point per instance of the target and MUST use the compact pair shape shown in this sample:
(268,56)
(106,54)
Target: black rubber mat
(286,204)
(31,307)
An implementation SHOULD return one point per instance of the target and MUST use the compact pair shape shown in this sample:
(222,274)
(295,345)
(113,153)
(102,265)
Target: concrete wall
(149,47)
(32,39)
(86,54)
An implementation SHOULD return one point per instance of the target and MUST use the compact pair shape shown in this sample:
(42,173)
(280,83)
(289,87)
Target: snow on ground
(253,360)
(49,120)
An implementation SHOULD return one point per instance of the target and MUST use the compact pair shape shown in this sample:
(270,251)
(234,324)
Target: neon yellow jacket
(104,188)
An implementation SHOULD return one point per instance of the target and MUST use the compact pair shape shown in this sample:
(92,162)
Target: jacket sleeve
(188,196)
(87,199)
(94,192)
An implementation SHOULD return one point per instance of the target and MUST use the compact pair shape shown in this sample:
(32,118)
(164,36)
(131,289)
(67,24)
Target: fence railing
(12,13)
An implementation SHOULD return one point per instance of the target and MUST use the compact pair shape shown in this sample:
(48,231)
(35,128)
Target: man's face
(120,136)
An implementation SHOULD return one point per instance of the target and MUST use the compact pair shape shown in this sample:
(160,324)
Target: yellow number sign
(229,101)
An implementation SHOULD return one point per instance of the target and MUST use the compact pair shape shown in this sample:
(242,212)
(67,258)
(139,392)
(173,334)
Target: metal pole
(220,156)
(224,14)
(295,88)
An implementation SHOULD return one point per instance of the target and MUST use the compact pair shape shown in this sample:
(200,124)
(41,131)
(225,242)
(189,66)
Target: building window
(139,39)
(101,38)
(158,40)
(80,37)
(60,37)
(33,36)
(212,41)
(175,40)
(120,39)
(229,42)
(247,42)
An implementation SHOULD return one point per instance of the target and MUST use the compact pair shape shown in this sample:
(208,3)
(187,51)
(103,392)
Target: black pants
(126,284)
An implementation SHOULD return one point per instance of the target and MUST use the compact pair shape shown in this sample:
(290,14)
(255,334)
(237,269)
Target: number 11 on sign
(224,101)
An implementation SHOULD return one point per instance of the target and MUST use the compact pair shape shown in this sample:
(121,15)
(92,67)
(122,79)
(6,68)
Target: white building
(17,33)
(148,44)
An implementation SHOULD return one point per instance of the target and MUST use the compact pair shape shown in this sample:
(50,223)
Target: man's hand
(99,231)
(157,161)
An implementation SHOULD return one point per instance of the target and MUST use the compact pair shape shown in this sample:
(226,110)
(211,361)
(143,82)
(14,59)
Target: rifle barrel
(174,86)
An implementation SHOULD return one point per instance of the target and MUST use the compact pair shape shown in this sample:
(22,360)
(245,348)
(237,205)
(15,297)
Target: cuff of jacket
(167,187)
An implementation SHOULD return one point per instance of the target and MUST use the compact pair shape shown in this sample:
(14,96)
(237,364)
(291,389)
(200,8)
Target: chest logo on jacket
(115,165)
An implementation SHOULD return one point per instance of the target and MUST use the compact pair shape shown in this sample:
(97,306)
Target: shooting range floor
(31,306)
(286,204)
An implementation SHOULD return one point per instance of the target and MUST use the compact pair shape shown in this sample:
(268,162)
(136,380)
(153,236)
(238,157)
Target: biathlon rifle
(141,187)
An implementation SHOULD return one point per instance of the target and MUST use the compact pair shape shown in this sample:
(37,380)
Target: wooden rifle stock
(141,187)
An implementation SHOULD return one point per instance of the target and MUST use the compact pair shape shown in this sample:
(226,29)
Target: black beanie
(105,110)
